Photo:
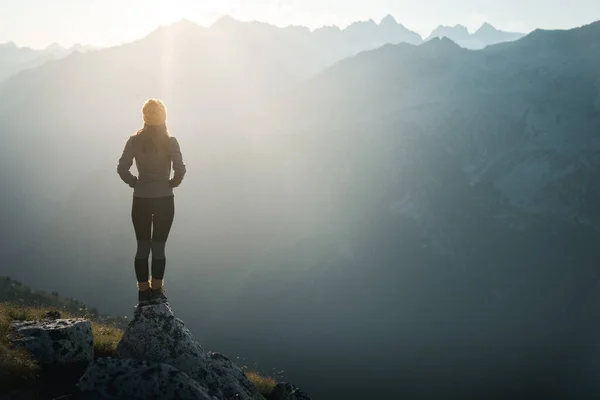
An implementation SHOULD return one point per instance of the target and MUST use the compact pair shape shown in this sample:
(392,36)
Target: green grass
(106,339)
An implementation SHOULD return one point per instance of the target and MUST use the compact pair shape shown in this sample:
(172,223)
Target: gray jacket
(154,169)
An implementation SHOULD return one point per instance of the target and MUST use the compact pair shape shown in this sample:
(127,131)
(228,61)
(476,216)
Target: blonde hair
(154,112)
(154,134)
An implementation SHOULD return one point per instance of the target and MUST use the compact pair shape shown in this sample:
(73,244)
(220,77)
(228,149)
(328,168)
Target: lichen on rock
(60,342)
(133,379)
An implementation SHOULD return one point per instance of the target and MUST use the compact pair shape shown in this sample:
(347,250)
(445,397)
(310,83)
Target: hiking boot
(159,295)
(144,297)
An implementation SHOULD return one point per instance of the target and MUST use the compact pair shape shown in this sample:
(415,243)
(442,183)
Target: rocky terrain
(157,357)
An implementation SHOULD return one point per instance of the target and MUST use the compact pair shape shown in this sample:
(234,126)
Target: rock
(132,379)
(287,391)
(53,315)
(57,342)
(156,335)
(227,379)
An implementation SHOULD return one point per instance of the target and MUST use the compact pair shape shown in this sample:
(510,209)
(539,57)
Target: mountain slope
(464,185)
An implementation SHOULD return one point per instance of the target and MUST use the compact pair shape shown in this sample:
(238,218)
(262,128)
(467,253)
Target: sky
(39,23)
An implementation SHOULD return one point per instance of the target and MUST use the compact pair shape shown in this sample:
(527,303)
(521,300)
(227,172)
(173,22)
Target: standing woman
(153,208)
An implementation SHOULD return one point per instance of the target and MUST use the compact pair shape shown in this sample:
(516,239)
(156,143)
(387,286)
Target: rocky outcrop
(133,379)
(56,342)
(287,391)
(158,358)
(156,336)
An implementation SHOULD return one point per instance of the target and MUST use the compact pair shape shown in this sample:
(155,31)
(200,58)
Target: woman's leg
(164,213)
(141,215)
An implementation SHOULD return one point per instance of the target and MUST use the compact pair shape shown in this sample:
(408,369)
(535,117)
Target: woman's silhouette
(153,208)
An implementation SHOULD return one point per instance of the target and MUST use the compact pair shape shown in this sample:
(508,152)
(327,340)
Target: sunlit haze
(39,23)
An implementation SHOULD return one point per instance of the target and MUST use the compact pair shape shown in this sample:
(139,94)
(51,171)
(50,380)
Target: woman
(153,208)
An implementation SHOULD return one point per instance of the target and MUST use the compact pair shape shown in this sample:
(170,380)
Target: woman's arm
(125,163)
(178,165)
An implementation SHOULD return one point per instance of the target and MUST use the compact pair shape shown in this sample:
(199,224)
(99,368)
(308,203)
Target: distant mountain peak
(459,28)
(181,27)
(389,20)
(185,21)
(363,29)
(486,28)
(488,34)
(393,32)
(183,24)
(225,21)
(9,45)
(81,47)
(441,43)
(456,33)
(54,47)
(456,28)
(329,28)
(369,23)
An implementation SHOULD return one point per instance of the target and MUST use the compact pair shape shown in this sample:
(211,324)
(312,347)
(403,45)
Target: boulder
(227,379)
(55,342)
(156,335)
(109,378)
(287,391)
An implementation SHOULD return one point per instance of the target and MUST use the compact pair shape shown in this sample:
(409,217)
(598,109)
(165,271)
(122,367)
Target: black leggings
(152,219)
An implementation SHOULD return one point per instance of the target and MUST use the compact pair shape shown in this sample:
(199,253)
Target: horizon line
(281,26)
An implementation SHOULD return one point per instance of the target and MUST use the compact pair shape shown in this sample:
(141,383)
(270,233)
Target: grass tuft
(106,339)
(264,384)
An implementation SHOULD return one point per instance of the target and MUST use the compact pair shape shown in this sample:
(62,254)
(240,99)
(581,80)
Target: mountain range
(359,36)
(14,59)
(485,36)
(411,219)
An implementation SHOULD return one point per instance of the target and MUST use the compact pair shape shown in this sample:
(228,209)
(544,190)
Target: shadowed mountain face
(416,220)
